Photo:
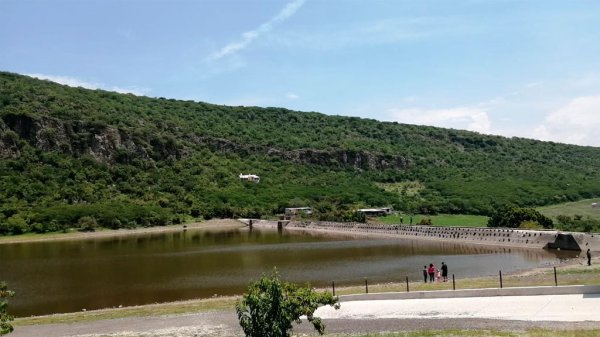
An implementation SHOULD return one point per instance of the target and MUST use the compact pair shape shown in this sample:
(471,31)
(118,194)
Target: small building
(298,210)
(250,177)
(376,211)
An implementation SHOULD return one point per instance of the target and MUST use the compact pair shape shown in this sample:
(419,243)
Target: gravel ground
(385,325)
(224,323)
(217,323)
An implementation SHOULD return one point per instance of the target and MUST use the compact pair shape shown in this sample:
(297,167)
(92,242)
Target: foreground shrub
(5,318)
(270,307)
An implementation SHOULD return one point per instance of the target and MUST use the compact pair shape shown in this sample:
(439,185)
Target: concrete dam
(508,237)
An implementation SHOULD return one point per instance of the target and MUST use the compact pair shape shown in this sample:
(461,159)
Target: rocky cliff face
(105,144)
(345,158)
(332,158)
(111,145)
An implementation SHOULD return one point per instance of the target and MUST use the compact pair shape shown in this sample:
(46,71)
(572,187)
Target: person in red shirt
(431,272)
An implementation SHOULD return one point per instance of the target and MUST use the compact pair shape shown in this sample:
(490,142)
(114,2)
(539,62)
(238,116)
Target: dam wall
(509,237)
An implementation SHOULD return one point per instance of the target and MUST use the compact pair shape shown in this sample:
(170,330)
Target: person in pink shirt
(431,272)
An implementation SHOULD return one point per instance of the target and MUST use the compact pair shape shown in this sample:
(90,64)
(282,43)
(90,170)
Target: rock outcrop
(105,144)
(111,145)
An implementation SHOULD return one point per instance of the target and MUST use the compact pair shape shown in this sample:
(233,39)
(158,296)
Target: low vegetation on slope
(86,158)
(582,215)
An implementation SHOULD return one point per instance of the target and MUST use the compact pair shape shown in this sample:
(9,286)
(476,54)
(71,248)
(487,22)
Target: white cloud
(226,66)
(533,84)
(74,82)
(291,95)
(577,122)
(368,33)
(588,80)
(465,118)
(249,36)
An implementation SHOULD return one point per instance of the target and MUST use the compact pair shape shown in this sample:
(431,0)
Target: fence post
(453,283)
(333,286)
(555,279)
(407,288)
(500,279)
(366,286)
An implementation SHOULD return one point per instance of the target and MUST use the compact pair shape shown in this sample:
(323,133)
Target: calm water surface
(65,276)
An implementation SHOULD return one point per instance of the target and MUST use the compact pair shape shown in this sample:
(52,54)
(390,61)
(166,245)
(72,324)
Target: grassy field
(581,207)
(446,220)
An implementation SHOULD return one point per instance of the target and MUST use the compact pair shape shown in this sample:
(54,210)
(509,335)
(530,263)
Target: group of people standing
(433,274)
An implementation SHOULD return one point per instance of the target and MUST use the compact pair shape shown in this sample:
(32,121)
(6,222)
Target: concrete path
(557,308)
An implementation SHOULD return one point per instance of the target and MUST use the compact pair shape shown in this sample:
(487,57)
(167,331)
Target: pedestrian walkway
(558,308)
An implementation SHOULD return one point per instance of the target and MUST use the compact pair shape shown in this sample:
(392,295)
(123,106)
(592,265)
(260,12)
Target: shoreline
(226,303)
(229,224)
(213,224)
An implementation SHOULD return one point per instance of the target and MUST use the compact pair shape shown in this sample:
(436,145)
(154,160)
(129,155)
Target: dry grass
(159,309)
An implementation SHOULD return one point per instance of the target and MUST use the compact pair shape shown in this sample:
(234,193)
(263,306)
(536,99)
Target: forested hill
(73,155)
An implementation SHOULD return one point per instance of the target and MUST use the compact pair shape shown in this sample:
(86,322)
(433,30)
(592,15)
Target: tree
(5,318)
(514,217)
(87,224)
(271,305)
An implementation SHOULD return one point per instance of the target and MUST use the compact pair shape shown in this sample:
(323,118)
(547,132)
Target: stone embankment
(507,237)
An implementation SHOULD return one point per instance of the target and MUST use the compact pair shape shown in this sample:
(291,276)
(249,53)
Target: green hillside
(582,208)
(90,157)
(576,215)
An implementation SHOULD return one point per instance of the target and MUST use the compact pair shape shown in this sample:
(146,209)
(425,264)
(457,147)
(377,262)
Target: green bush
(530,225)
(16,224)
(87,224)
(578,223)
(513,217)
(5,317)
(270,306)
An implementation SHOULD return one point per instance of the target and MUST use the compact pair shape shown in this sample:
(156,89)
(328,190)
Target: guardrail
(543,280)
(485,292)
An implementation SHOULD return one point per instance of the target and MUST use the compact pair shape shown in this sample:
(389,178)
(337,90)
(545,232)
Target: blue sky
(513,68)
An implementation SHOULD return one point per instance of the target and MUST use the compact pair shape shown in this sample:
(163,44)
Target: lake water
(66,276)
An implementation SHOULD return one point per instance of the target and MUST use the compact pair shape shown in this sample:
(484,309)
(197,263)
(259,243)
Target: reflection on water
(66,276)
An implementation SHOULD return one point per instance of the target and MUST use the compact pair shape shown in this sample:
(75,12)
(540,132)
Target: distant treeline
(72,157)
